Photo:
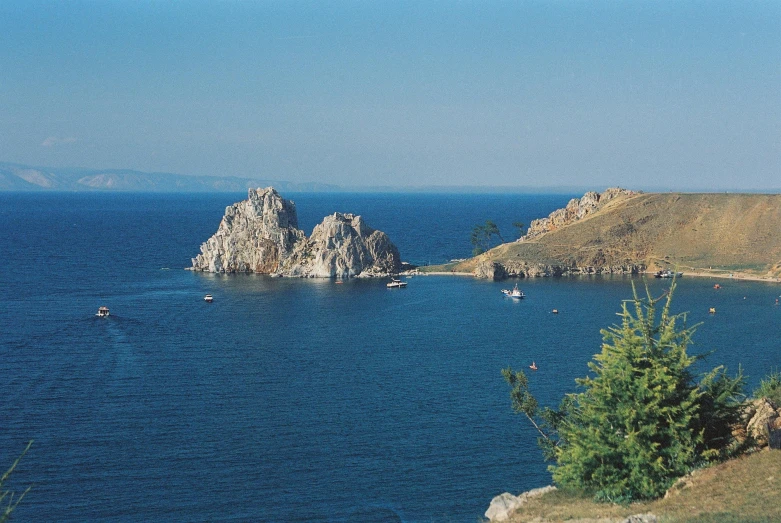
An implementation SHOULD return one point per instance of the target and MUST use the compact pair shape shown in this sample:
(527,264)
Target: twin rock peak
(261,235)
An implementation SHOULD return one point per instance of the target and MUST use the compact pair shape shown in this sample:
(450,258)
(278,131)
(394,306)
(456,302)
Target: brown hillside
(694,232)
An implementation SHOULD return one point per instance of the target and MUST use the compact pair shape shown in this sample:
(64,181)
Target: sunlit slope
(695,232)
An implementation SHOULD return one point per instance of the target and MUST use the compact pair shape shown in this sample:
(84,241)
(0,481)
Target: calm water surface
(287,399)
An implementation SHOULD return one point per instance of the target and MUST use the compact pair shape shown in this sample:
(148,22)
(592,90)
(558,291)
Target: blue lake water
(287,399)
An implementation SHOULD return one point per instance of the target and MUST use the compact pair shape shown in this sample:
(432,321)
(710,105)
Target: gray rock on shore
(504,505)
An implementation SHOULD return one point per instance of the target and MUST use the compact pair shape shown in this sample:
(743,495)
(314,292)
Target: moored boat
(208,298)
(514,293)
(396,284)
(102,312)
(667,274)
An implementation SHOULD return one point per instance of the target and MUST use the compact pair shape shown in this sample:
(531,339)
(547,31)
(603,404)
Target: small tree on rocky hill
(481,237)
(641,420)
(519,226)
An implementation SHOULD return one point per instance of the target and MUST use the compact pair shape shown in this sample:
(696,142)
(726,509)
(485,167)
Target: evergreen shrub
(642,420)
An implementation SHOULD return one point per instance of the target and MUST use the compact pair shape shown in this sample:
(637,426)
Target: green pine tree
(642,420)
(634,428)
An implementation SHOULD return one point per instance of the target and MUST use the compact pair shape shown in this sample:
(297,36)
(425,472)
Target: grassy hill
(710,233)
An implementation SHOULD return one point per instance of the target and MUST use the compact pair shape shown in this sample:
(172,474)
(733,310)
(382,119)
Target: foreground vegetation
(744,489)
(642,421)
(8,497)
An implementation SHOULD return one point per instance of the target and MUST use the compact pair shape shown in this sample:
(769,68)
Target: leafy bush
(642,420)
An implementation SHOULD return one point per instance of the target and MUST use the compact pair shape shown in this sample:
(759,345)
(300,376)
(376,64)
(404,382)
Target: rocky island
(261,235)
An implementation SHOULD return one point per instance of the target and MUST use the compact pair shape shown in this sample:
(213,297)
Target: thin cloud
(52,141)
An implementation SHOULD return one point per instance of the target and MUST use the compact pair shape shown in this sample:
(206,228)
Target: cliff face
(343,246)
(261,235)
(576,209)
(255,235)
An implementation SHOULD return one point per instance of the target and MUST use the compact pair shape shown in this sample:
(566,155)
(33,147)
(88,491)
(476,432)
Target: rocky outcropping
(763,423)
(255,235)
(490,270)
(504,505)
(343,246)
(576,209)
(261,235)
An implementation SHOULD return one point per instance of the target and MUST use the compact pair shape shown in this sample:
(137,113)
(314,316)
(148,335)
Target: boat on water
(102,312)
(514,293)
(533,366)
(208,298)
(396,284)
(667,274)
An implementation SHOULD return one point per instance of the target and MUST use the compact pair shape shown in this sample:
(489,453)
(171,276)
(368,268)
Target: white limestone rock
(261,235)
(255,235)
(343,246)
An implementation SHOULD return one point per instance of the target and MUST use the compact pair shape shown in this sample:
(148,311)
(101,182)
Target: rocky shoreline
(552,272)
(499,271)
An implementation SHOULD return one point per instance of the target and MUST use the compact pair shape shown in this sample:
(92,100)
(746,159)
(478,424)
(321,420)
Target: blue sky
(664,94)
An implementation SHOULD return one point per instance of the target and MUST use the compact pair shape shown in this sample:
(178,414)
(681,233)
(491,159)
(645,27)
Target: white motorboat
(514,293)
(208,298)
(102,312)
(396,284)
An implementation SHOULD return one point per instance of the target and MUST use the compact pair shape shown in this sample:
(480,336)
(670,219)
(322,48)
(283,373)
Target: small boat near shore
(102,312)
(396,284)
(208,298)
(515,293)
(667,274)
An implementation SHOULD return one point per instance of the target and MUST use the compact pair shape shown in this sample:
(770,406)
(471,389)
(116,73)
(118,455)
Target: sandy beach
(729,276)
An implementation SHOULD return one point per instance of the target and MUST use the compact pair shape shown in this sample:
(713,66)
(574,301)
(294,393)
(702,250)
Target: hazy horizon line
(427,188)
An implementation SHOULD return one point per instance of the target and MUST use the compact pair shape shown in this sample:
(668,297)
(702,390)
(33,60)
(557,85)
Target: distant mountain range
(20,177)
(17,177)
